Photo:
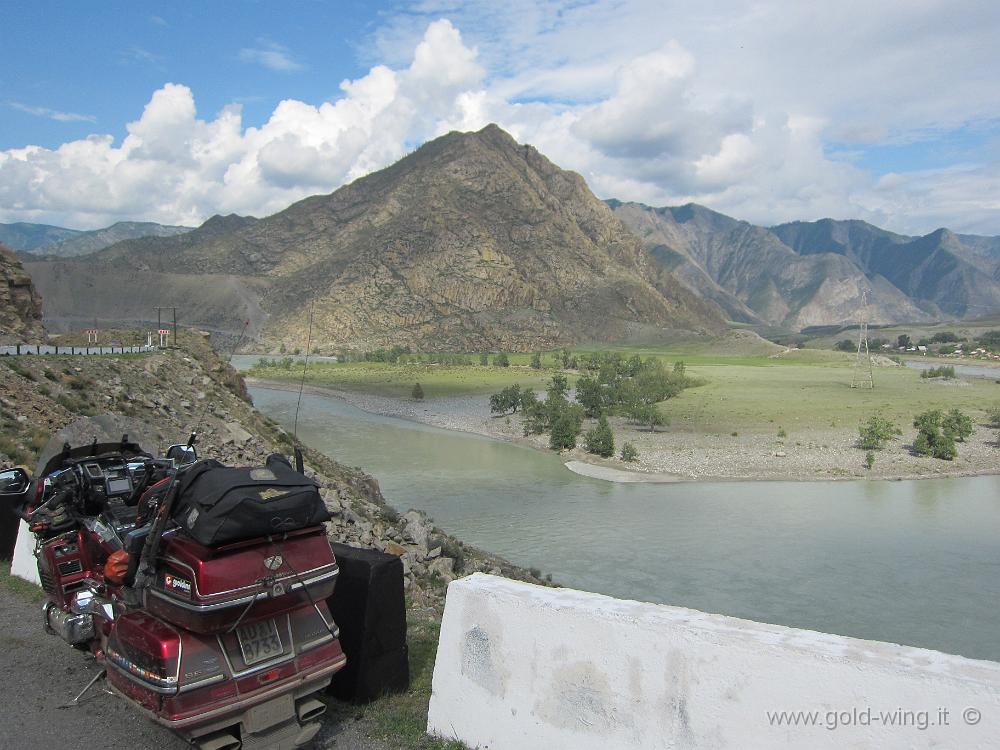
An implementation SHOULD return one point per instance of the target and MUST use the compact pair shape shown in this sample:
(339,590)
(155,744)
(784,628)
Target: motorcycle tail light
(146,650)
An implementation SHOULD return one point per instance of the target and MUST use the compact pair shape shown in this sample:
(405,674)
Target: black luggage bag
(369,608)
(217,504)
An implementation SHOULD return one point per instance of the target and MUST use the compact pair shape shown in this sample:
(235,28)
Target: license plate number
(259,641)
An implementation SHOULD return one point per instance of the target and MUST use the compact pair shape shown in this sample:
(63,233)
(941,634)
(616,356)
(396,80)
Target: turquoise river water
(914,562)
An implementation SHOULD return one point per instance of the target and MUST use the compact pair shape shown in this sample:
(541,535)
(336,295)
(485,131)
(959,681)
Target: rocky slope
(471,242)
(814,273)
(160,398)
(20,303)
(42,239)
(954,274)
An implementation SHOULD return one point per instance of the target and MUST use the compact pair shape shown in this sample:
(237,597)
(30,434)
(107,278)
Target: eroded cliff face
(20,303)
(471,242)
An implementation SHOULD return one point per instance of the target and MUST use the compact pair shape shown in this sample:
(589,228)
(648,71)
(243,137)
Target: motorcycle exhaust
(219,741)
(309,709)
(74,629)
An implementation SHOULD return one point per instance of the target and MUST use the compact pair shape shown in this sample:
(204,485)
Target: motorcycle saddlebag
(218,504)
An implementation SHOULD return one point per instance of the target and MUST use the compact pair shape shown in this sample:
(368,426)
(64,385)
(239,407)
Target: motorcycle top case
(217,504)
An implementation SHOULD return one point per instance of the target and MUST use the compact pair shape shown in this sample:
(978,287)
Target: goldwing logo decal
(273,563)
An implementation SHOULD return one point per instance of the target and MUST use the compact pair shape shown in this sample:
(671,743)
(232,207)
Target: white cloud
(272,56)
(755,110)
(51,114)
(174,167)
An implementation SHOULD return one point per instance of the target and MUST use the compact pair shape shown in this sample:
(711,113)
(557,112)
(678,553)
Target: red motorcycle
(200,588)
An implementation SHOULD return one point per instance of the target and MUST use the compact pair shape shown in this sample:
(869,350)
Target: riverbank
(677,453)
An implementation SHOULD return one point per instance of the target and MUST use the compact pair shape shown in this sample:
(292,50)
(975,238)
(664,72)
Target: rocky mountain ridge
(471,242)
(20,303)
(59,242)
(815,273)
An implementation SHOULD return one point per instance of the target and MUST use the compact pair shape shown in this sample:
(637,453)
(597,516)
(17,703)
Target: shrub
(945,371)
(536,361)
(629,453)
(417,393)
(869,460)
(782,433)
(844,345)
(876,432)
(993,415)
(957,424)
(501,360)
(932,439)
(600,440)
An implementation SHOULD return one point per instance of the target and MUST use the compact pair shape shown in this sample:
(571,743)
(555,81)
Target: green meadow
(742,390)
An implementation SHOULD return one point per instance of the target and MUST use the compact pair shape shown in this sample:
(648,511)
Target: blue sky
(768,111)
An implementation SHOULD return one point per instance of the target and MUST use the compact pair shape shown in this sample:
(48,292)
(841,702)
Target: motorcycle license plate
(259,641)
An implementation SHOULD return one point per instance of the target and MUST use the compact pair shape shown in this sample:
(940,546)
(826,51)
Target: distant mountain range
(815,273)
(476,242)
(471,242)
(43,239)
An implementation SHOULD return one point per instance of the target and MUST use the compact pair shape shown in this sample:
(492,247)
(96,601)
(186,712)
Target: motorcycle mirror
(182,455)
(14,482)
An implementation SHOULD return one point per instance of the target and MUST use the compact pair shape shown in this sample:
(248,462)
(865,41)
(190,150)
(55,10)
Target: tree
(565,428)
(558,385)
(417,393)
(629,453)
(501,360)
(932,439)
(565,358)
(484,360)
(679,368)
(590,395)
(869,460)
(506,400)
(647,414)
(876,432)
(536,361)
(844,345)
(600,439)
(903,341)
(957,424)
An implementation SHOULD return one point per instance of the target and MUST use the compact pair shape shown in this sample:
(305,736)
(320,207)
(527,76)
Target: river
(913,562)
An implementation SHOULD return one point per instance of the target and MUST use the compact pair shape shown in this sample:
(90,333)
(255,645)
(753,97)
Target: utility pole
(159,320)
(863,376)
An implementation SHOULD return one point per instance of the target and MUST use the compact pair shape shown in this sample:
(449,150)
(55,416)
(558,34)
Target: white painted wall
(23,562)
(522,666)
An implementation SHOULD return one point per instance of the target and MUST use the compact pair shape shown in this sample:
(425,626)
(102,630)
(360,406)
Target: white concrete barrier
(23,562)
(522,666)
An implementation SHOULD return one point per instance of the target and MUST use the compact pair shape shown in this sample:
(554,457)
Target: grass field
(805,389)
(397,380)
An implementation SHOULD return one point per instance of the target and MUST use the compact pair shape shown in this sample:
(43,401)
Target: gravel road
(39,673)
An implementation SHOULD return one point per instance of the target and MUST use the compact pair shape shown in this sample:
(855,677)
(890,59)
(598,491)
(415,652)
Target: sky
(769,111)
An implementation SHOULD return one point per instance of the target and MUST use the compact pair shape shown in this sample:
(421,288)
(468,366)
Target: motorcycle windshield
(95,436)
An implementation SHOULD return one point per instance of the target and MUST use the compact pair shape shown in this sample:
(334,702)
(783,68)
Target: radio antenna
(302,382)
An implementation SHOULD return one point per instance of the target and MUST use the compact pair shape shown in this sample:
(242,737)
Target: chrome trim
(293,576)
(242,601)
(250,702)
(318,641)
(201,683)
